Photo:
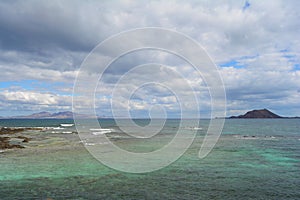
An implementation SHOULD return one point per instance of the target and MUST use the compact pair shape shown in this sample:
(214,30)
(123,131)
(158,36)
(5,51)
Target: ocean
(253,159)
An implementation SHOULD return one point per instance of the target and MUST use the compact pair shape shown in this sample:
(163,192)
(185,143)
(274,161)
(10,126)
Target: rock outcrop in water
(10,140)
(263,113)
(5,144)
(13,130)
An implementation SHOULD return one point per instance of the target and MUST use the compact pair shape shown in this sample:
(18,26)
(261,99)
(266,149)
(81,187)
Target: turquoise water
(254,159)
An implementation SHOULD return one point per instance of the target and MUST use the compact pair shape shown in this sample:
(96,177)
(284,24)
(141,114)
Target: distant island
(262,113)
(48,115)
(44,115)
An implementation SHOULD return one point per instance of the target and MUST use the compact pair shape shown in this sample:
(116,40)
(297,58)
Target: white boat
(66,125)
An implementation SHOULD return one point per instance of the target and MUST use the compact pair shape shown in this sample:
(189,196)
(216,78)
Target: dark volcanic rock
(5,144)
(263,113)
(25,139)
(13,130)
(6,130)
(11,139)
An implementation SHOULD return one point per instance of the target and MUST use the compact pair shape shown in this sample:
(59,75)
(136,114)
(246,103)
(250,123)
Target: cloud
(16,102)
(35,24)
(250,88)
(47,41)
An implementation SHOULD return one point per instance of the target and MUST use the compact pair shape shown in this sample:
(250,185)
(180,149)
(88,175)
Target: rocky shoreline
(10,139)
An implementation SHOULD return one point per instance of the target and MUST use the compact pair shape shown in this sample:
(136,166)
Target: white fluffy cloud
(20,101)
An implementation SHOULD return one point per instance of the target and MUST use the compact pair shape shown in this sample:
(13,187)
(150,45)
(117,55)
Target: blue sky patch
(297,67)
(246,5)
(35,85)
(232,63)
(25,84)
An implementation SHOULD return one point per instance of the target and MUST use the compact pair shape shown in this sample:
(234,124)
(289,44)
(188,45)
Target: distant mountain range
(262,113)
(47,115)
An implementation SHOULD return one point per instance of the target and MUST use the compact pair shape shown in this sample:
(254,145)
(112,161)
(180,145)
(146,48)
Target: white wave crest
(101,131)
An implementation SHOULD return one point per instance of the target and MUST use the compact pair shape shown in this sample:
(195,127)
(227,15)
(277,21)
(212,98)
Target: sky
(255,44)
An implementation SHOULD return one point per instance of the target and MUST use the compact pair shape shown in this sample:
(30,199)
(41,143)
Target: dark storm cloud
(38,25)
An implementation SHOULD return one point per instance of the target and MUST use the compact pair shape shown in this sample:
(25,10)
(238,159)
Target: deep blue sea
(253,159)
